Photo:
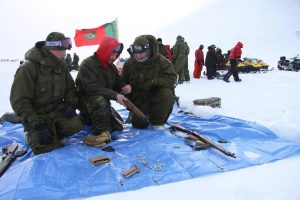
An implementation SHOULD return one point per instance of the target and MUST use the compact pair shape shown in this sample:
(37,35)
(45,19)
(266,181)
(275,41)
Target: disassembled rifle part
(99,160)
(131,172)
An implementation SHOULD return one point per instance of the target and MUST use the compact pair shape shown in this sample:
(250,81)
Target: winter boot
(98,140)
(226,79)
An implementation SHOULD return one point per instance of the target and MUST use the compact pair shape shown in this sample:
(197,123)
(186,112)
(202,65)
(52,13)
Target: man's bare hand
(121,98)
(126,89)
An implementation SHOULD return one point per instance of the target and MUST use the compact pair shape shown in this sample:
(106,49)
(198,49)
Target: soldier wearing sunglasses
(152,79)
(43,94)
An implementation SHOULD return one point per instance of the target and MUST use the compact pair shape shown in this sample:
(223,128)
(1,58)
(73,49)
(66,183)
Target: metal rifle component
(116,116)
(201,138)
(9,156)
(108,149)
(132,108)
(121,183)
(222,141)
(99,160)
(154,180)
(131,172)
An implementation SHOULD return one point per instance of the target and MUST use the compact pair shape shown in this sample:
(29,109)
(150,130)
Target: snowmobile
(284,64)
(295,63)
(260,66)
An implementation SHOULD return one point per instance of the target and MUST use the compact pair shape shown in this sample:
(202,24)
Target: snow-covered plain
(268,29)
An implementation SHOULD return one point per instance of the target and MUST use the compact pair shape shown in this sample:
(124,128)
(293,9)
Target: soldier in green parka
(98,82)
(152,79)
(186,66)
(179,51)
(43,95)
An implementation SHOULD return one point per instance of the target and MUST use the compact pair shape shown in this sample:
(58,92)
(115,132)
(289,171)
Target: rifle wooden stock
(131,107)
(9,158)
(204,139)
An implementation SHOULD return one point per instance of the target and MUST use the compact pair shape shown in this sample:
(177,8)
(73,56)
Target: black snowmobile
(287,65)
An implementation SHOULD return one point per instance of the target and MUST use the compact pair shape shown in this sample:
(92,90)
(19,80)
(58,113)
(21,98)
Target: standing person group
(75,62)
(234,57)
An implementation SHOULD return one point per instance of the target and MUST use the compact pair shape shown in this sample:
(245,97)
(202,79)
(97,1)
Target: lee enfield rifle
(131,107)
(9,155)
(201,138)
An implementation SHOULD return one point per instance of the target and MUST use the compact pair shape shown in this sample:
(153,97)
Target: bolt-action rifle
(201,138)
(9,155)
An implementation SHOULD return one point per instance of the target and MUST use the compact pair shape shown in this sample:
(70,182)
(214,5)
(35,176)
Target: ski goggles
(60,44)
(139,48)
(118,49)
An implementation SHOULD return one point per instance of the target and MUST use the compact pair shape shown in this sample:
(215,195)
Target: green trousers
(61,127)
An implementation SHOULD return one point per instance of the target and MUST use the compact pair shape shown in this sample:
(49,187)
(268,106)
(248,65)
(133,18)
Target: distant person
(75,62)
(169,52)
(227,55)
(43,95)
(98,82)
(221,61)
(199,62)
(234,57)
(68,60)
(179,58)
(152,79)
(211,62)
(162,48)
(186,66)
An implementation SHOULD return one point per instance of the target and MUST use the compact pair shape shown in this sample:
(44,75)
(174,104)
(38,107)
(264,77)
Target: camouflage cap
(55,36)
(141,40)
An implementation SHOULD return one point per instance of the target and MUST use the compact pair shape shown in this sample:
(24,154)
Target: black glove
(44,134)
(70,111)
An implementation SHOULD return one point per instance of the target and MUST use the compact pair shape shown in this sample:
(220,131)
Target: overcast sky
(25,22)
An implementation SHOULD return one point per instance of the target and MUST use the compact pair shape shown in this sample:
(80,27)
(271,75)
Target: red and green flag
(93,36)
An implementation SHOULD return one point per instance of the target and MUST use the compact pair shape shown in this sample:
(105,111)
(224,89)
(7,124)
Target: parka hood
(107,45)
(154,48)
(43,57)
(240,44)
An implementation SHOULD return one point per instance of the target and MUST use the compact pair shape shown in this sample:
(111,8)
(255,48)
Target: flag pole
(117,23)
(117,35)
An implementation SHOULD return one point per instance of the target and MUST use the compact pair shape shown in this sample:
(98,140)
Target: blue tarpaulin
(161,157)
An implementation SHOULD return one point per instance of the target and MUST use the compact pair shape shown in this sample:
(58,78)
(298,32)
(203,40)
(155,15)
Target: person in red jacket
(235,55)
(169,52)
(199,61)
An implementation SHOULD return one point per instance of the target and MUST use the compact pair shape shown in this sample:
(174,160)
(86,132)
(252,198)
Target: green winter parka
(42,86)
(156,72)
(95,79)
(179,52)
